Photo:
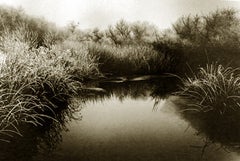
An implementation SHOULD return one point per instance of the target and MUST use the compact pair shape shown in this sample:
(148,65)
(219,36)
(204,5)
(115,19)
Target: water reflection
(37,143)
(162,88)
(215,128)
(130,130)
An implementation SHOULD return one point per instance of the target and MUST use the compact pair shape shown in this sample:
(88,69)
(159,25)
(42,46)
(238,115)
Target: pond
(128,121)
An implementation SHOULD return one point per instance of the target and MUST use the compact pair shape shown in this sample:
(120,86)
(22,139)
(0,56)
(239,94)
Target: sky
(102,13)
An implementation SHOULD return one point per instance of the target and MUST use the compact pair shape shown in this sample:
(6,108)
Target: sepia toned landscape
(127,91)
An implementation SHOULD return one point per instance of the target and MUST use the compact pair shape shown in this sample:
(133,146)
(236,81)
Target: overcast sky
(101,13)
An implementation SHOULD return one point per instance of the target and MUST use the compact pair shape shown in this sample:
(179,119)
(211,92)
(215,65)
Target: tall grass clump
(214,88)
(128,60)
(34,84)
(77,60)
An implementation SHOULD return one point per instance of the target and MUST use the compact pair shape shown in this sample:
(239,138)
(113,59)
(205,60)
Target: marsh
(129,91)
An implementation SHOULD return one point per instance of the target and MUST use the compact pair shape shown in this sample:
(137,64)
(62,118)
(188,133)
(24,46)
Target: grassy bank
(36,83)
(214,89)
(33,86)
(130,60)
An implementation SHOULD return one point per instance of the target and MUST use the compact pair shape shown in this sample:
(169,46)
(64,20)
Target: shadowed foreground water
(134,121)
(130,130)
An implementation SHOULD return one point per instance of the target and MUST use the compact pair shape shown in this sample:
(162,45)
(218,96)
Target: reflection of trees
(216,128)
(37,141)
(134,89)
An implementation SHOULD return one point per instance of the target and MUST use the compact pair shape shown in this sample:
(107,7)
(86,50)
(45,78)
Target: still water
(134,121)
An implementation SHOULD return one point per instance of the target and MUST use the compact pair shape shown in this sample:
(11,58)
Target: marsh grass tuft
(34,85)
(214,88)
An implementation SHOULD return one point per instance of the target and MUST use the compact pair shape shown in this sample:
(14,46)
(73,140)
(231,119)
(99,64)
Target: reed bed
(128,60)
(78,60)
(214,88)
